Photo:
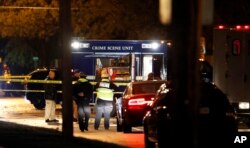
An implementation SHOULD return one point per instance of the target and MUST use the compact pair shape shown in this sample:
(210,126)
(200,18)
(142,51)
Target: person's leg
(81,117)
(99,111)
(98,116)
(107,110)
(53,110)
(47,110)
(75,111)
(87,116)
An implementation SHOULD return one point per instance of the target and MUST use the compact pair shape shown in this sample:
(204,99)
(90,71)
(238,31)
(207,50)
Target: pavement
(23,126)
(15,135)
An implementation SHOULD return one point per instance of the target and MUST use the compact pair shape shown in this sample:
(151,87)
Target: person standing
(151,76)
(50,98)
(6,84)
(82,92)
(104,100)
(75,77)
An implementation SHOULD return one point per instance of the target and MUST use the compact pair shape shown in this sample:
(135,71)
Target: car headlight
(244,105)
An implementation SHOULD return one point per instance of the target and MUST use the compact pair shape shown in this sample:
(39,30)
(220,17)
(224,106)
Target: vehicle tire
(39,104)
(148,144)
(118,125)
(126,128)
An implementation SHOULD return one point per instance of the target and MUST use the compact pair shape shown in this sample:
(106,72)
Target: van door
(247,67)
(235,65)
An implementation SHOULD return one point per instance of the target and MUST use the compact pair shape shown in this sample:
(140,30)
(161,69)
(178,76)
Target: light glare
(155,45)
(244,105)
(75,45)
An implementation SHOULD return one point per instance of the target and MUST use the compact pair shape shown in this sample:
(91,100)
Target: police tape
(52,81)
(31,81)
(41,91)
(25,80)
(21,90)
(14,76)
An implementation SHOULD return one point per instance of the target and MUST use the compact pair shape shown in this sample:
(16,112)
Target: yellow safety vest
(104,92)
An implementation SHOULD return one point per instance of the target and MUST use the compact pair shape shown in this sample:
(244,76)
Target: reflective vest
(81,80)
(104,91)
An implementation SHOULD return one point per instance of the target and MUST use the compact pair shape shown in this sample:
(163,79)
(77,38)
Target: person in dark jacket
(50,98)
(75,77)
(82,92)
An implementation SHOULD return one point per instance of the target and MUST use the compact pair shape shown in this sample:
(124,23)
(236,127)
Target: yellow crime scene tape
(14,77)
(25,80)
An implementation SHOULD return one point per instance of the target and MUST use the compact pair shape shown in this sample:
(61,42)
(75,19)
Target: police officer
(104,100)
(82,92)
(75,77)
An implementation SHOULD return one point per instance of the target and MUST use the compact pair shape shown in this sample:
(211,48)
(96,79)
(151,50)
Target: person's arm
(88,90)
(115,89)
(113,86)
(96,86)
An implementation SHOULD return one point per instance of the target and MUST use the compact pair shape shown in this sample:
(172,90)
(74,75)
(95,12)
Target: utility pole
(65,29)
(185,32)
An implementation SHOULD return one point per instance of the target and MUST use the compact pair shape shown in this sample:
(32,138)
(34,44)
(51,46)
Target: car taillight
(139,101)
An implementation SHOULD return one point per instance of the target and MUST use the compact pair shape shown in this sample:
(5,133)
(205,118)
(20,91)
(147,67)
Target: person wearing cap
(82,92)
(50,96)
(104,100)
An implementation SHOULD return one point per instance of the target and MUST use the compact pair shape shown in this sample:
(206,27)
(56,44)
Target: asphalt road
(21,112)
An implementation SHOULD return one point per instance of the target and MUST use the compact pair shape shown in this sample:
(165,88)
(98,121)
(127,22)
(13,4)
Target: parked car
(134,103)
(35,91)
(216,120)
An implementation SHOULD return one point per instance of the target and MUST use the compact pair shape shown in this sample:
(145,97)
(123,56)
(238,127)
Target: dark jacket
(83,86)
(50,91)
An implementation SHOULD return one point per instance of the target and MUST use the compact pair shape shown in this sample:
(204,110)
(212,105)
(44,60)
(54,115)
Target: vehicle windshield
(145,88)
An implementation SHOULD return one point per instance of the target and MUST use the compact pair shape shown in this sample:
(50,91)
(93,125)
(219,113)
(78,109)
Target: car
(216,119)
(35,90)
(134,103)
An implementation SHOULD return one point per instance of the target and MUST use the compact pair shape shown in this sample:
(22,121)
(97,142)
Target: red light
(139,101)
(246,27)
(238,27)
(221,27)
